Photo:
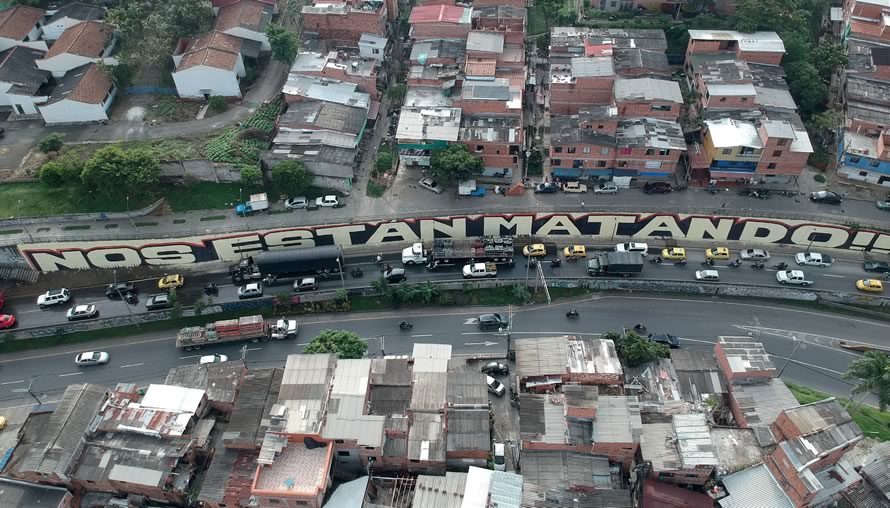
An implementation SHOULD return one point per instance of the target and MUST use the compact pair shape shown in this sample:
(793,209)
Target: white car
(296,203)
(754,255)
(606,188)
(328,201)
(495,386)
(91,358)
(795,277)
(82,312)
(430,185)
(53,297)
(813,259)
(204,360)
(707,275)
(252,290)
(499,458)
(642,248)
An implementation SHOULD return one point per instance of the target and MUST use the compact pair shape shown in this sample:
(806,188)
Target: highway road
(841,276)
(817,362)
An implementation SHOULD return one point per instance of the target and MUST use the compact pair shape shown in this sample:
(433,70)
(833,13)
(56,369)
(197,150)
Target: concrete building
(344,23)
(364,72)
(680,452)
(84,95)
(649,147)
(246,19)
(581,41)
(25,495)
(21,25)
(373,47)
(69,15)
(649,98)
(545,363)
(83,43)
(438,52)
(467,418)
(210,65)
(758,47)
(866,21)
(220,381)
(422,130)
(584,145)
(498,139)
(509,20)
(298,475)
(583,82)
(641,63)
(563,478)
(22,85)
(440,22)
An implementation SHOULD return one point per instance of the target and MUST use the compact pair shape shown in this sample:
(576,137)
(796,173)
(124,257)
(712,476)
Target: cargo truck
(614,264)
(257,203)
(450,251)
(288,263)
(252,328)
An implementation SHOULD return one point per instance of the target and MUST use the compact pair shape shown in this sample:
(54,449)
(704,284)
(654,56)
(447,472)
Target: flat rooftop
(296,469)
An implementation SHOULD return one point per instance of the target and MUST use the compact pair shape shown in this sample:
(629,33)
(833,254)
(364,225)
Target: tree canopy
(634,349)
(346,345)
(149,29)
(292,177)
(873,372)
(806,86)
(284,43)
(454,163)
(113,171)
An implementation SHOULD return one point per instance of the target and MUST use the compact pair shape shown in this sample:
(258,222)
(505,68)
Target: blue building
(864,158)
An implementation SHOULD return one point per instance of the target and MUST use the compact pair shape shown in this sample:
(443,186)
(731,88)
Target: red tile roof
(245,13)
(436,14)
(88,38)
(224,3)
(93,86)
(213,49)
(480,67)
(15,23)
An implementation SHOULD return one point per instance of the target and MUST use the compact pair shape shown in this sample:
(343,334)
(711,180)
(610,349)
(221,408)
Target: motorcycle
(760,194)
(572,313)
(708,262)
(405,325)
(211,290)
(555,263)
(713,190)
(268,280)
(735,264)
(378,258)
(357,272)
(639,328)
(656,260)
(131,298)
(758,265)
(780,266)
(680,262)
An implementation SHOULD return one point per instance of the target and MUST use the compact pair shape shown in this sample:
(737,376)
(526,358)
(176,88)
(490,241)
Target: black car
(657,188)
(876,266)
(158,302)
(394,275)
(546,188)
(495,369)
(492,321)
(831,198)
(666,339)
(119,290)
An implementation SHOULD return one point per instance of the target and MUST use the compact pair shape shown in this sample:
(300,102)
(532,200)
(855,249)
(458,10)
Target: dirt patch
(154,109)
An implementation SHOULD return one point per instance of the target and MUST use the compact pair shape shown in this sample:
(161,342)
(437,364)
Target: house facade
(83,95)
(22,25)
(22,84)
(210,65)
(69,15)
(84,43)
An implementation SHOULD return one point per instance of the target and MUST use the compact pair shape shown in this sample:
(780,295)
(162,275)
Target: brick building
(424,129)
(294,472)
(545,363)
(585,142)
(440,22)
(649,147)
(344,23)
(341,66)
(866,21)
(583,82)
(641,63)
(438,52)
(506,19)
(648,97)
(497,139)
(568,42)
(496,96)
(758,47)
(680,452)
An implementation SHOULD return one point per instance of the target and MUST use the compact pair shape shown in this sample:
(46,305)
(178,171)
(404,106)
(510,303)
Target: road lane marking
(486,343)
(253,349)
(422,335)
(13,382)
(835,276)
(132,365)
(189,356)
(71,374)
(49,355)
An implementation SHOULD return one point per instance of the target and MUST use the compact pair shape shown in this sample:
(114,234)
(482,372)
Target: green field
(874,423)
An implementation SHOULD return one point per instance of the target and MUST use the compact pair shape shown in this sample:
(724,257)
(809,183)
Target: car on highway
(91,358)
(327,201)
(2,422)
(794,277)
(252,290)
(82,312)
(546,188)
(876,266)
(430,185)
(576,251)
(495,369)
(495,386)
(666,339)
(754,255)
(119,290)
(657,188)
(830,198)
(674,253)
(574,187)
(171,281)
(707,275)
(718,253)
(642,248)
(158,302)
(296,203)
(207,359)
(605,188)
(534,250)
(883,205)
(813,259)
(870,285)
(6,321)
(395,275)
(305,284)
(493,321)
(53,297)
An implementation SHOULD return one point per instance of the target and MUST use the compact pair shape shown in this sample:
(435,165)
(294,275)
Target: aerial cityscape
(444,253)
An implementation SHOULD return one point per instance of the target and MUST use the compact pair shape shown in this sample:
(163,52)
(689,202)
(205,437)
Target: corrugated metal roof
(754,487)
(656,446)
(731,90)
(617,420)
(762,403)
(349,494)
(468,430)
(426,438)
(489,42)
(648,89)
(440,491)
(767,42)
(506,490)
(25,494)
(591,67)
(694,441)
(878,472)
(221,380)
(817,416)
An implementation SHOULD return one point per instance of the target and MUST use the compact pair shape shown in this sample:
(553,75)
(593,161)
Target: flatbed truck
(246,328)
(460,251)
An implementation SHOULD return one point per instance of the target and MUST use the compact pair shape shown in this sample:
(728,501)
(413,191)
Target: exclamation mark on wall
(861,240)
(881,245)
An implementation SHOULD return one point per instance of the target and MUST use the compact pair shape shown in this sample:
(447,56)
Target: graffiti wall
(48,257)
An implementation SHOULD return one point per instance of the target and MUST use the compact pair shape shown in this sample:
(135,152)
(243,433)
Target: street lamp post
(128,213)
(342,277)
(797,343)
(18,213)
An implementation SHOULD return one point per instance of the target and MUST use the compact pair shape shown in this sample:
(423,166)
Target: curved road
(698,322)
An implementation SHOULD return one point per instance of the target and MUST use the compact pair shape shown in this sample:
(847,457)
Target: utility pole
(124,300)
(244,352)
(797,343)
(28,390)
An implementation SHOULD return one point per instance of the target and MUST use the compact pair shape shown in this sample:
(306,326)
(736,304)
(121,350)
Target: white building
(209,65)
(83,43)
(21,83)
(21,26)
(69,15)
(248,20)
(372,46)
(83,95)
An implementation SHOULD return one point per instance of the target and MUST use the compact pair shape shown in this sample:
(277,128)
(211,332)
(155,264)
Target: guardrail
(80,217)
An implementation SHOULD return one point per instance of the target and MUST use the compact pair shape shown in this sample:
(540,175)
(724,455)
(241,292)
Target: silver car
(606,188)
(252,290)
(91,358)
(431,185)
(754,255)
(82,312)
(296,203)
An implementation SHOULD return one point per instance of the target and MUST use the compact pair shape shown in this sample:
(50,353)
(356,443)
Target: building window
(747,150)
(854,160)
(339,441)
(777,153)
(727,151)
(272,500)
(514,150)
(556,162)
(586,149)
(604,151)
(744,99)
(515,160)
(577,163)
(782,142)
(557,149)
(622,164)
(375,51)
(863,174)
(600,164)
(600,126)
(874,164)
(571,149)
(342,453)
(660,107)
(650,151)
(479,148)
(722,99)
(664,151)
(771,165)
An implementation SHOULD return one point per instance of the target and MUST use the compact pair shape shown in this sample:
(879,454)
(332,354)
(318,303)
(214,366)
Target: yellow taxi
(718,253)
(578,251)
(171,281)
(675,253)
(870,285)
(2,422)
(534,250)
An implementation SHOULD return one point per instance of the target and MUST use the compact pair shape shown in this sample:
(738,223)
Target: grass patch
(213,217)
(873,423)
(169,109)
(10,231)
(537,21)
(111,226)
(375,190)
(179,221)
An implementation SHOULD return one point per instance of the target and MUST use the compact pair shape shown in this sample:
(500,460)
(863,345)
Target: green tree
(199,306)
(148,29)
(454,163)
(543,45)
(771,15)
(873,373)
(52,143)
(113,171)
(292,177)
(217,103)
(285,44)
(250,176)
(396,94)
(52,174)
(634,349)
(346,345)
(827,58)
(797,47)
(383,162)
(822,126)
(175,305)
(806,86)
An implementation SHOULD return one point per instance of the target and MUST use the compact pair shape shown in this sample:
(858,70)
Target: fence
(79,217)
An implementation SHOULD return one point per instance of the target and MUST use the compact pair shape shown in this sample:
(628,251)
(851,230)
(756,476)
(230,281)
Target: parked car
(82,312)
(546,188)
(674,253)
(206,359)
(882,205)
(717,253)
(876,266)
(578,251)
(252,290)
(574,187)
(666,339)
(642,248)
(492,321)
(870,286)
(171,281)
(495,369)
(754,255)
(813,259)
(431,185)
(606,188)
(327,201)
(831,198)
(534,250)
(306,284)
(6,321)
(91,358)
(395,275)
(53,297)
(499,458)
(657,188)
(707,275)
(495,386)
(158,302)
(2,422)
(296,203)
(120,290)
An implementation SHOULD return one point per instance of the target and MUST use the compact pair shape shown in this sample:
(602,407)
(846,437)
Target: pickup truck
(574,187)
(478,270)
(795,277)
(813,259)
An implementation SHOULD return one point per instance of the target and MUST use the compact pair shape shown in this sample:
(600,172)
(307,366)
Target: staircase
(25,275)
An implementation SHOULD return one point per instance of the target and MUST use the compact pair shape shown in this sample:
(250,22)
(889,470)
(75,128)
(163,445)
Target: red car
(6,321)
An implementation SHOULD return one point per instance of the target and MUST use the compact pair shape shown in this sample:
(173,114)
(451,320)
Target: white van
(53,297)
(642,248)
(499,459)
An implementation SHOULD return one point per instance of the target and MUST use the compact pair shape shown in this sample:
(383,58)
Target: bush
(250,176)
(819,178)
(384,162)
(52,174)
(218,103)
(51,143)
